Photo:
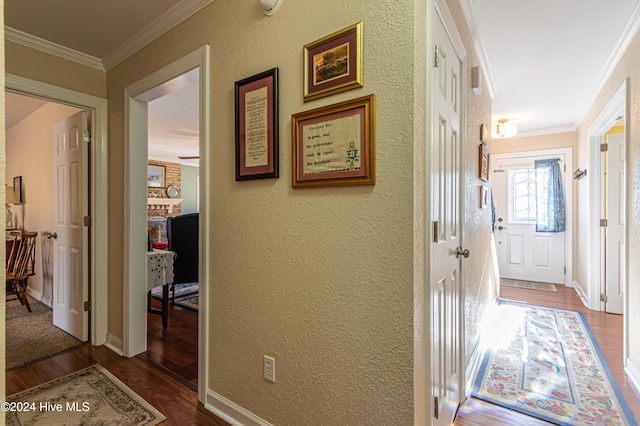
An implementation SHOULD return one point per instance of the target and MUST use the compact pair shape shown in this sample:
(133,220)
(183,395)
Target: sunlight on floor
(500,325)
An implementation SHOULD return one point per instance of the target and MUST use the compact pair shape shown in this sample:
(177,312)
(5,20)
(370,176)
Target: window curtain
(550,210)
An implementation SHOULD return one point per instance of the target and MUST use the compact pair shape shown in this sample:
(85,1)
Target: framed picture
(155,176)
(334,63)
(483,197)
(335,145)
(484,134)
(483,167)
(257,126)
(17,187)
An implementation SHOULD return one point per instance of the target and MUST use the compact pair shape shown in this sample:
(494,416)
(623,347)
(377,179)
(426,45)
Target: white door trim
(619,105)
(99,191)
(135,208)
(568,188)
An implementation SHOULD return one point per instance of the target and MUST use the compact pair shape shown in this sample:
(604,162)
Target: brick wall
(171,177)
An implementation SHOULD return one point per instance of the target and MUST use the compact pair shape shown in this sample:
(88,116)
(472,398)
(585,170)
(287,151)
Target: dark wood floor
(176,348)
(606,328)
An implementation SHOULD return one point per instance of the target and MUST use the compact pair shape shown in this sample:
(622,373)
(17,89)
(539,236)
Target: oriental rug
(188,302)
(92,396)
(551,367)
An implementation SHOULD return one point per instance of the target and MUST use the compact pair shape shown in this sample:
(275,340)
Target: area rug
(528,285)
(551,368)
(31,335)
(188,302)
(92,396)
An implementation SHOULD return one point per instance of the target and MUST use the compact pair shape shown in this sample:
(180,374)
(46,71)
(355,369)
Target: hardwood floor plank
(607,330)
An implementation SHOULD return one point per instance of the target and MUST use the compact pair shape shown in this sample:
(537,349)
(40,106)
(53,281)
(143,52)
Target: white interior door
(523,253)
(446,219)
(70,282)
(614,212)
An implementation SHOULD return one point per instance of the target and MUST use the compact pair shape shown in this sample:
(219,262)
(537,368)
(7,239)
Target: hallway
(607,329)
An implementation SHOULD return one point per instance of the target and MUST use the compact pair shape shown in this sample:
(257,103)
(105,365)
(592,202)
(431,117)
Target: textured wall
(2,227)
(480,286)
(29,152)
(629,67)
(321,279)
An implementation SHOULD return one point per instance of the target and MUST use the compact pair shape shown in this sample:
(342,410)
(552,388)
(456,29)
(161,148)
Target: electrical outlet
(269,368)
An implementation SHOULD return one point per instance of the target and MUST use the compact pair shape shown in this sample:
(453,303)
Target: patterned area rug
(31,335)
(92,396)
(188,302)
(186,289)
(551,367)
(528,284)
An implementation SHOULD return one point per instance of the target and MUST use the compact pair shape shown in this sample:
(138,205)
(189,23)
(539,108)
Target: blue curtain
(550,211)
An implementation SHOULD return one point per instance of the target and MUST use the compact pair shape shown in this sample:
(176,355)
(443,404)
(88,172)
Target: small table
(160,273)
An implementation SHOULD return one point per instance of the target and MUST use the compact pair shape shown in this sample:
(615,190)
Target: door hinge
(86,136)
(87,306)
(437,59)
(87,221)
(436,231)
(603,298)
(565,270)
(435,407)
(604,223)
(604,147)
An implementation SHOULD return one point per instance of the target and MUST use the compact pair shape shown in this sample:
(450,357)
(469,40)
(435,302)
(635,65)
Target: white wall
(29,154)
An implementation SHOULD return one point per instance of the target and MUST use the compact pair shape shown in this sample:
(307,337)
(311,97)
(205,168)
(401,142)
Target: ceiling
(544,61)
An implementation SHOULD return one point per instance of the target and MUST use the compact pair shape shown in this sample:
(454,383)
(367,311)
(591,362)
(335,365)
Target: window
(522,194)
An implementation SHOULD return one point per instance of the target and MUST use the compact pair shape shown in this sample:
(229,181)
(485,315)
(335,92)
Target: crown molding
(469,11)
(37,43)
(174,16)
(627,36)
(544,132)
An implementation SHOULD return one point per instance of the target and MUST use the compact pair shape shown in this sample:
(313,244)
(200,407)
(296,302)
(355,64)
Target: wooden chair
(21,264)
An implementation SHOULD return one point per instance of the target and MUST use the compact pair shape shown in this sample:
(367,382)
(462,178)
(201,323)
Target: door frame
(98,156)
(568,188)
(135,207)
(617,106)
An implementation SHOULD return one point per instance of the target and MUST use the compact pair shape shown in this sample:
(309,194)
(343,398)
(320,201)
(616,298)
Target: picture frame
(334,145)
(17,188)
(484,134)
(483,200)
(334,63)
(256,120)
(155,176)
(483,166)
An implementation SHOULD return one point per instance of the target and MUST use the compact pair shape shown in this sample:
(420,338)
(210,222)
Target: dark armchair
(183,237)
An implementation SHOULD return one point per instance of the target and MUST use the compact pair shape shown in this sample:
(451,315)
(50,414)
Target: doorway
(527,249)
(137,99)
(96,276)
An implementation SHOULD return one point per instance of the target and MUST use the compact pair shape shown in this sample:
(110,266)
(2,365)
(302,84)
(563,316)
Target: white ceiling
(544,61)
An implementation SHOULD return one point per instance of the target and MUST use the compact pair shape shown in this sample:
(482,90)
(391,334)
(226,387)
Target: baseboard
(473,367)
(231,412)
(581,294)
(633,373)
(115,344)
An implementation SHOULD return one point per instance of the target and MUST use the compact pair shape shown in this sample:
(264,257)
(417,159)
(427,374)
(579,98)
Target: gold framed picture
(483,166)
(334,63)
(335,145)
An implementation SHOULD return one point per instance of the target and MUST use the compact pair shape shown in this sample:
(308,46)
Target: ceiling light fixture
(269,7)
(505,130)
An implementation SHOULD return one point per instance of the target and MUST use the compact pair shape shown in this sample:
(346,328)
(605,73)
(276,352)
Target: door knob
(54,236)
(500,228)
(464,253)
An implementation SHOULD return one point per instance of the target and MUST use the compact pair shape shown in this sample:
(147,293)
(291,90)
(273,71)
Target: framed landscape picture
(334,63)
(155,176)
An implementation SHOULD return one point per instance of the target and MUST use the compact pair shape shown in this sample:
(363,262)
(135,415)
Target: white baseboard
(231,412)
(474,366)
(633,373)
(581,294)
(115,344)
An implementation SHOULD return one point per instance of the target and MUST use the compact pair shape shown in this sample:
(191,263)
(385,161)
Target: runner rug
(552,369)
(92,396)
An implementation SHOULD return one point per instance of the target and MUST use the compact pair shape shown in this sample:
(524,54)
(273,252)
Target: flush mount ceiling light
(269,7)
(506,130)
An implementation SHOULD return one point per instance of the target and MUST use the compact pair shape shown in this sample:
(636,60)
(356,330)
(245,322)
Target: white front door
(523,253)
(446,214)
(70,282)
(613,210)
